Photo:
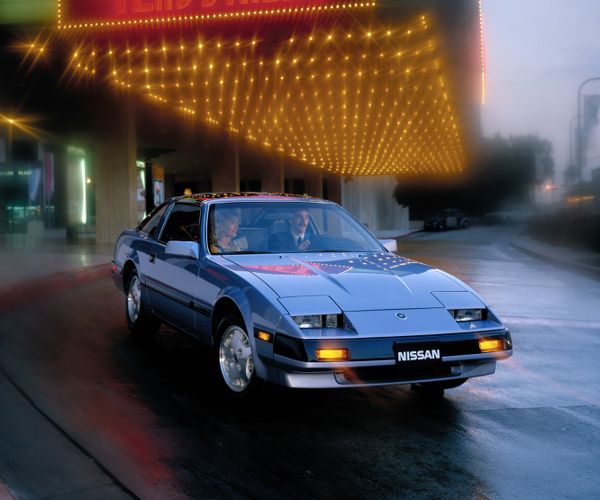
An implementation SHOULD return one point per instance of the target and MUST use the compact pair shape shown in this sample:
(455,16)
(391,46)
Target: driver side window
(150,223)
(182,224)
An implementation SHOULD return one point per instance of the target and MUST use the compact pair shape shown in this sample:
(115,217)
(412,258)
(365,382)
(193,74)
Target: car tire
(141,322)
(436,389)
(466,224)
(234,359)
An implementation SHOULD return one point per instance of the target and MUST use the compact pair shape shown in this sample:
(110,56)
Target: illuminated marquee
(353,98)
(114,13)
(351,101)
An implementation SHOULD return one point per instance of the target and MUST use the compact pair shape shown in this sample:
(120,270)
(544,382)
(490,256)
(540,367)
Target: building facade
(333,99)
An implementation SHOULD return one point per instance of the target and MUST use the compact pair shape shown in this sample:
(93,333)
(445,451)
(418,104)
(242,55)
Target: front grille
(389,374)
(460,347)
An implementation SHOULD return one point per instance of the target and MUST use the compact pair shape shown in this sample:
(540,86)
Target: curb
(406,235)
(582,269)
(18,294)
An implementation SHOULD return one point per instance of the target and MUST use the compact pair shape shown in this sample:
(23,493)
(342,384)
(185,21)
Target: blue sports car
(296,291)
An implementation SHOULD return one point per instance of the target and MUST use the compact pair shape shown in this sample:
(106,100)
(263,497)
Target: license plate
(422,354)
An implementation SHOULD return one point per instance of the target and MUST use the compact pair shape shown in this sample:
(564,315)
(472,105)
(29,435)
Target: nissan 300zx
(295,291)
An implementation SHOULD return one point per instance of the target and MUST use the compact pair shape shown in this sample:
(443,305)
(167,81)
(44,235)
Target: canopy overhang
(343,93)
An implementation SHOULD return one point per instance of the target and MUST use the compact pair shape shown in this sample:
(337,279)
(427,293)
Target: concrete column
(334,188)
(314,182)
(272,176)
(371,200)
(226,175)
(115,170)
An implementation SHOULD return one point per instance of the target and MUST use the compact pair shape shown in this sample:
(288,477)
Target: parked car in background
(296,291)
(449,218)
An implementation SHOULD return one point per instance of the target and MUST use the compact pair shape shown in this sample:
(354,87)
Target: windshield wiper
(336,251)
(245,252)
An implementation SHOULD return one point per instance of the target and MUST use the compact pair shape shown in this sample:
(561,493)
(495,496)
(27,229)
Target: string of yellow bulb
(354,103)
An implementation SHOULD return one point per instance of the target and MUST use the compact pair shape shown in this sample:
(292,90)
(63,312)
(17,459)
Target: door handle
(152,258)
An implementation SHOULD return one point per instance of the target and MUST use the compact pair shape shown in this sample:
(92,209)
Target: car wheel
(142,323)
(436,389)
(234,358)
(465,224)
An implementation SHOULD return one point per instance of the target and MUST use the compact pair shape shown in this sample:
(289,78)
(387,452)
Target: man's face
(299,221)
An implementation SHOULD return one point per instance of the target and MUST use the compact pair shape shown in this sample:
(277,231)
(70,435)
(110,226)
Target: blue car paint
(267,289)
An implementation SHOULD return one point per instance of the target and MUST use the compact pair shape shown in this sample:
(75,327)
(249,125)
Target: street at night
(299,249)
(144,419)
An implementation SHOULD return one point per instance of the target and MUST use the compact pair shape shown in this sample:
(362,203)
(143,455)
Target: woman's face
(230,227)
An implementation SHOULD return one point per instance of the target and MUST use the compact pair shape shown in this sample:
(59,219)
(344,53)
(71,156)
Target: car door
(148,231)
(171,279)
(211,281)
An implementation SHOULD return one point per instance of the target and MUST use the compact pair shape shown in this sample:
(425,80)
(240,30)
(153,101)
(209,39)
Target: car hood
(355,282)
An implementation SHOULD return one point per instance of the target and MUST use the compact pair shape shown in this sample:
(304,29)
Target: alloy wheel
(235,359)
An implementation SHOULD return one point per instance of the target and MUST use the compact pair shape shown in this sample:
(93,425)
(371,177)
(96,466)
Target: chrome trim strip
(177,297)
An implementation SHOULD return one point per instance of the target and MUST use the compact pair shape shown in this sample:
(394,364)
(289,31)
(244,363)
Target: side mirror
(183,249)
(390,245)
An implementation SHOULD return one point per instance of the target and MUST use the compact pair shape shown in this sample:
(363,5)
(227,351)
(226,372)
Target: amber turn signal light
(333,354)
(264,336)
(491,345)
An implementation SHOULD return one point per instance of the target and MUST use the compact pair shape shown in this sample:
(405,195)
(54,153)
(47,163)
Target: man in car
(296,238)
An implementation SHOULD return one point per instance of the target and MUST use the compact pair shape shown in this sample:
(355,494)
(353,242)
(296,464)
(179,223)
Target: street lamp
(579,126)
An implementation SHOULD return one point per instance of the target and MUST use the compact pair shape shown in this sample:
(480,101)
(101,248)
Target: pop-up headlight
(462,315)
(309,321)
(318,321)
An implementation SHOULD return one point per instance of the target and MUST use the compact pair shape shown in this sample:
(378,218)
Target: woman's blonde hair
(222,216)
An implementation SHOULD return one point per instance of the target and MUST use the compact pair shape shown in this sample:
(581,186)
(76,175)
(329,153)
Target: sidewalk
(37,459)
(582,262)
(23,258)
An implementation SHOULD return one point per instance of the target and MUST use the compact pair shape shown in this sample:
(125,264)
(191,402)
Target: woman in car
(225,230)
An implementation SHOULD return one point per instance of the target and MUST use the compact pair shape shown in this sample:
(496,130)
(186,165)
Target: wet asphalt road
(149,415)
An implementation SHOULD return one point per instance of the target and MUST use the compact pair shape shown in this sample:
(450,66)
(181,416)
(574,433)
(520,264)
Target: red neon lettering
(164,5)
(139,6)
(128,8)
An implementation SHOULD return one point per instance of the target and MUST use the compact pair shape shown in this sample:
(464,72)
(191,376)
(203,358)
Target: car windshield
(276,227)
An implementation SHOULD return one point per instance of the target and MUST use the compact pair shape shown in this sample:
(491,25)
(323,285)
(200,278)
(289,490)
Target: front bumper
(373,361)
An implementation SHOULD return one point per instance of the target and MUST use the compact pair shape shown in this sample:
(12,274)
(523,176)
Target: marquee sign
(112,13)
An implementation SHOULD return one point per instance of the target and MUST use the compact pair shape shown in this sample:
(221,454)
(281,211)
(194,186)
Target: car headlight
(462,315)
(318,320)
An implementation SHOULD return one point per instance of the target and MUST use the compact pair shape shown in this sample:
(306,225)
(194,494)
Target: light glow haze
(538,53)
